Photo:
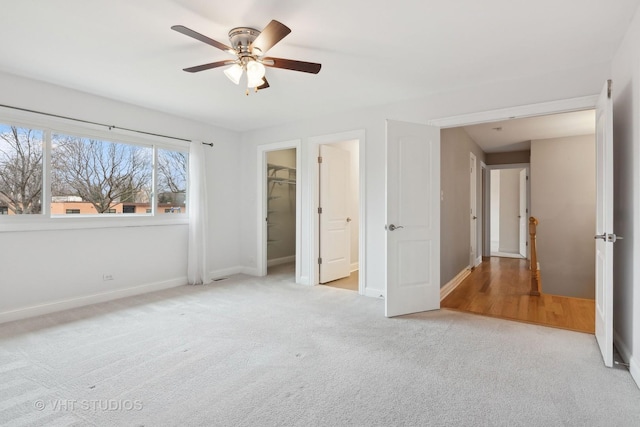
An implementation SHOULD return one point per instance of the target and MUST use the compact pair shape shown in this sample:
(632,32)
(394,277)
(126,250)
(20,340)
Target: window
(87,176)
(100,175)
(172,181)
(20,170)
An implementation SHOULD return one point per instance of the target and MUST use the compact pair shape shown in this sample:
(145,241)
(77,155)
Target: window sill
(78,222)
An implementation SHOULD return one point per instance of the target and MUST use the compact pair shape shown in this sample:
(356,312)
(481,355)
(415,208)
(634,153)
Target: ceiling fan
(249,46)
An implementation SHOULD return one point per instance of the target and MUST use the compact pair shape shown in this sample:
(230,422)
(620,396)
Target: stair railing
(534,266)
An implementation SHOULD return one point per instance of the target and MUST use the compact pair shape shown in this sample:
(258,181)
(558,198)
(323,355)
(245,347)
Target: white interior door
(604,224)
(522,213)
(413,218)
(473,216)
(335,227)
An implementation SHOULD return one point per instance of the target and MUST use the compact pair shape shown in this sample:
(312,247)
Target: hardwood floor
(499,287)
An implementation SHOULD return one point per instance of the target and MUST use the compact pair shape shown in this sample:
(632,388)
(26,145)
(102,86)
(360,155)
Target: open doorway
(552,170)
(281,182)
(508,211)
(279,213)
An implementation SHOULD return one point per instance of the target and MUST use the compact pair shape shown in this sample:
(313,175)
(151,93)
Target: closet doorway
(281,210)
(279,222)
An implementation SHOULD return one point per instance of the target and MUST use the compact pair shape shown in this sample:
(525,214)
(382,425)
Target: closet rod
(110,127)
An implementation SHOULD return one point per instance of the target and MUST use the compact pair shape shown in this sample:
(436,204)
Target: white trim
(541,109)
(622,347)
(225,272)
(627,356)
(355,266)
(280,261)
(507,255)
(47,308)
(473,206)
(634,369)
(374,293)
(453,283)
(76,222)
(261,211)
(478,261)
(312,185)
(526,166)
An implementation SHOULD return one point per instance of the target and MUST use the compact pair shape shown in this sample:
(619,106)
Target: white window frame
(46,221)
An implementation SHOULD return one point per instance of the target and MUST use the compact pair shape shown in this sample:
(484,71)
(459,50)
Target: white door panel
(522,214)
(335,227)
(604,225)
(413,218)
(473,217)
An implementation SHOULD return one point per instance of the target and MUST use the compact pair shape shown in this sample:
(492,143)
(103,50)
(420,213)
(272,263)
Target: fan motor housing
(241,38)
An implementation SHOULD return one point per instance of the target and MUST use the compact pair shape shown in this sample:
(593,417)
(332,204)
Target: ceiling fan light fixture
(255,70)
(234,73)
(254,81)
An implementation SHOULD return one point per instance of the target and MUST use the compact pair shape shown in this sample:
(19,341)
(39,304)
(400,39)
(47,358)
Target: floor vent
(220,279)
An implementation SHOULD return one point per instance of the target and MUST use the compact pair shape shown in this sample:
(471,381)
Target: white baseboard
(304,280)
(627,356)
(478,261)
(250,271)
(634,369)
(374,293)
(279,261)
(226,272)
(453,283)
(354,267)
(52,307)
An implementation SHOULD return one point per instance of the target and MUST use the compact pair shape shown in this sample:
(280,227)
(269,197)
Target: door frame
(527,167)
(311,187)
(516,112)
(473,207)
(262,183)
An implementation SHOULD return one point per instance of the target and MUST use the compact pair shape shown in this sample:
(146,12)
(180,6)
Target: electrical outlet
(106,277)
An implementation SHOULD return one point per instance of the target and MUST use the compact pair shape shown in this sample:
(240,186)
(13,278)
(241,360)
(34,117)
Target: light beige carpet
(267,352)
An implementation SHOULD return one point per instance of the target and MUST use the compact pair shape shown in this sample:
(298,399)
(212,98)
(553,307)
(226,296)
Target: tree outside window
(20,170)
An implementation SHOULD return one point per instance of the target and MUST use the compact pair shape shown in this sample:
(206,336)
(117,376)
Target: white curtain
(197,268)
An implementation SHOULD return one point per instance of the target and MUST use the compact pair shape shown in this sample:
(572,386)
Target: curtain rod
(110,127)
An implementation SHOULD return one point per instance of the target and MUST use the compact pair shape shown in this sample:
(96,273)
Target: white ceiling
(517,134)
(373,52)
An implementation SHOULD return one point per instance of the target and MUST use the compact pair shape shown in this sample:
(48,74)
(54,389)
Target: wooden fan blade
(208,66)
(204,39)
(290,64)
(263,85)
(272,34)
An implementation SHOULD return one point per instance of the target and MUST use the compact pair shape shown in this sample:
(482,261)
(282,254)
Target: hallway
(499,287)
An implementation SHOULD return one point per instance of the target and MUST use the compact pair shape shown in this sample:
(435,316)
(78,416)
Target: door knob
(348,219)
(392,227)
(474,217)
(609,237)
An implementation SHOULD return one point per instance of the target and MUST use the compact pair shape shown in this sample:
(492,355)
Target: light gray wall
(49,270)
(563,199)
(562,84)
(455,228)
(282,207)
(509,210)
(626,141)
